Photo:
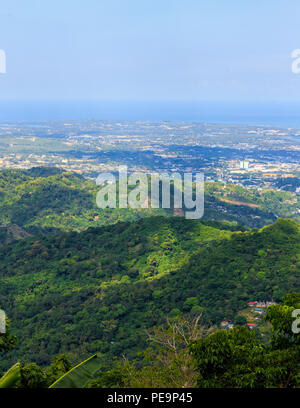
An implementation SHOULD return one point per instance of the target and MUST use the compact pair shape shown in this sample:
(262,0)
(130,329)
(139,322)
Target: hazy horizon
(218,62)
(284,114)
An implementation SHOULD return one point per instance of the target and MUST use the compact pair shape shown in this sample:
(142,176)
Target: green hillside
(97,290)
(249,207)
(46,200)
(9,233)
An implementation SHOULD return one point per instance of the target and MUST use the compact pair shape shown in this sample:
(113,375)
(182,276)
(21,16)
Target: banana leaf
(11,376)
(79,375)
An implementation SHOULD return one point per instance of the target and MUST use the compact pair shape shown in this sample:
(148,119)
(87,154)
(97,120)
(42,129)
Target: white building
(244,164)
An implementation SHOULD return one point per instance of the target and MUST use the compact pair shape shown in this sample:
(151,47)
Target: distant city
(250,156)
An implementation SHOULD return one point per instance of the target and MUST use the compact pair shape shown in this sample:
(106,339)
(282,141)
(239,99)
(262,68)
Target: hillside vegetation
(97,290)
(46,200)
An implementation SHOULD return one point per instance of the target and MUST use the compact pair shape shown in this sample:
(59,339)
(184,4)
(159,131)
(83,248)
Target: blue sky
(150,49)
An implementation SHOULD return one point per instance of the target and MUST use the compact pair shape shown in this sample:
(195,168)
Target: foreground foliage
(185,353)
(221,359)
(98,290)
(237,358)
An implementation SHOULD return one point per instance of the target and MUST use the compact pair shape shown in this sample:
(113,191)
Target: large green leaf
(11,377)
(79,375)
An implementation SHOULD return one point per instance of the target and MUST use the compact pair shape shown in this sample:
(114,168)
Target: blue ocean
(279,114)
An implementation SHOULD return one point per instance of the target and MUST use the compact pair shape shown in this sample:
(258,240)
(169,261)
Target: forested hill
(97,290)
(46,200)
(9,233)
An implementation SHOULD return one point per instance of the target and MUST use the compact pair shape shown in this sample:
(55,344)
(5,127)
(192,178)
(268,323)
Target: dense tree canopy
(99,290)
